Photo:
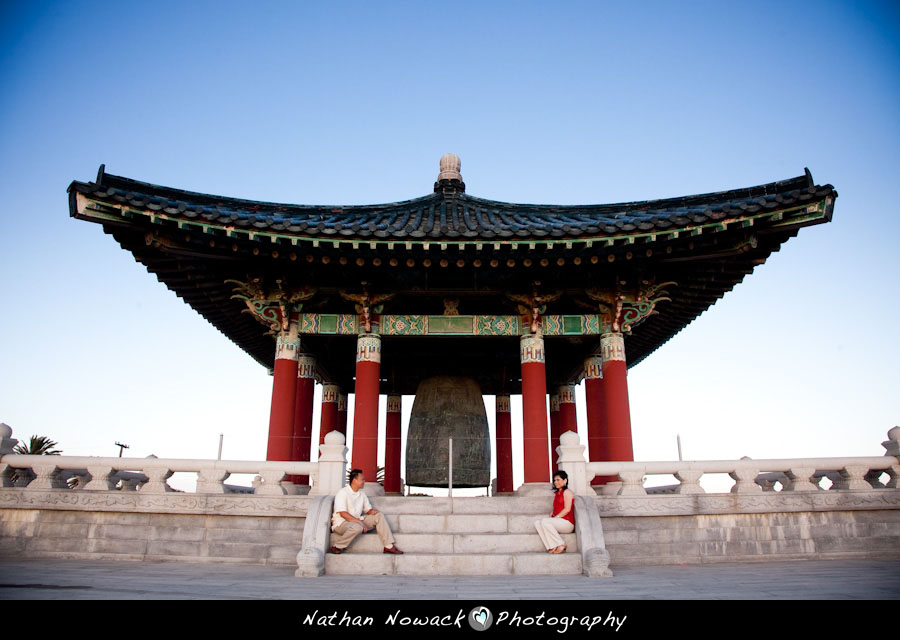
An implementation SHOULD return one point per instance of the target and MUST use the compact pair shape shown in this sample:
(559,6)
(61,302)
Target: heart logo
(481,618)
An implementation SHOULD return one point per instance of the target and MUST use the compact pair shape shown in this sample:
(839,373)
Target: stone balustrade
(750,476)
(150,475)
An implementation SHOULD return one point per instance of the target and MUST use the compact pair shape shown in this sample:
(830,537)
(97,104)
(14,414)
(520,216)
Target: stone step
(432,543)
(454,564)
(463,523)
(536,505)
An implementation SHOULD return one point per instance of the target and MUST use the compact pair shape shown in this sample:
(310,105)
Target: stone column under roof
(392,445)
(554,428)
(595,406)
(568,417)
(535,440)
(328,417)
(284,394)
(365,409)
(615,394)
(303,412)
(503,430)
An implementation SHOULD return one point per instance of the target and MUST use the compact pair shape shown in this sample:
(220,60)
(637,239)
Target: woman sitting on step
(562,518)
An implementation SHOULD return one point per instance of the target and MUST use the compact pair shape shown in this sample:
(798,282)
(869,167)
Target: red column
(342,413)
(554,430)
(392,445)
(534,410)
(595,404)
(615,392)
(503,427)
(284,393)
(303,413)
(365,409)
(328,418)
(568,416)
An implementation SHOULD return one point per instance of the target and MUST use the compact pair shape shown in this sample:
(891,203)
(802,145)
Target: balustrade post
(46,477)
(801,479)
(745,481)
(211,480)
(689,480)
(332,465)
(103,478)
(157,477)
(271,483)
(571,460)
(632,483)
(854,477)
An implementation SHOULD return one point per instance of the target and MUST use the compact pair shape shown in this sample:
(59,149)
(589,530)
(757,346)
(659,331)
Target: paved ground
(47,579)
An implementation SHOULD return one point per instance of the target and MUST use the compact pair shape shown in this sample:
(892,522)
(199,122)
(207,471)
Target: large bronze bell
(448,407)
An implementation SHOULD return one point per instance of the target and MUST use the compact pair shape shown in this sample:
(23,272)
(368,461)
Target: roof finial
(450,176)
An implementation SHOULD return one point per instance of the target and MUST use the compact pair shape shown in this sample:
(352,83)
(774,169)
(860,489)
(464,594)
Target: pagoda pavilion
(517,298)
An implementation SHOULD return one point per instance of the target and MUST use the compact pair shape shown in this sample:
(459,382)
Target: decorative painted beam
(439,325)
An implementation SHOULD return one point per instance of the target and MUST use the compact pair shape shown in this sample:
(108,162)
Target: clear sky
(355,102)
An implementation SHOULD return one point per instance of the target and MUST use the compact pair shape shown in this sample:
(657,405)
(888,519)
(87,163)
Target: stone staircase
(459,536)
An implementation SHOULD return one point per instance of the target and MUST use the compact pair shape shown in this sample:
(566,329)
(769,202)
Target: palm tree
(38,446)
(379,475)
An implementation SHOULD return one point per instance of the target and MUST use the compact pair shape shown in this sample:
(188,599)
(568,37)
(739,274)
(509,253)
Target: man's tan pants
(346,532)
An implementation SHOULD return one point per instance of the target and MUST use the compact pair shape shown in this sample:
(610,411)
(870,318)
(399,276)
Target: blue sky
(354,103)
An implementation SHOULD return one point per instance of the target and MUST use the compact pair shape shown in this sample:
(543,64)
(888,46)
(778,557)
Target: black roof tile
(453,214)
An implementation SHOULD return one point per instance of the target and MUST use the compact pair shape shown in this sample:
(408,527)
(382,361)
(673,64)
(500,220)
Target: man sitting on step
(348,521)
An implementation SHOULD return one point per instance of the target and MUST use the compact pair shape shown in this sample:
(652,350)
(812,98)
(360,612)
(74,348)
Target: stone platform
(460,537)
(54,579)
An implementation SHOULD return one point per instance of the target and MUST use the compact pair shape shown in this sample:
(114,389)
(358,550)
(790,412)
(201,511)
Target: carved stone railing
(150,475)
(750,476)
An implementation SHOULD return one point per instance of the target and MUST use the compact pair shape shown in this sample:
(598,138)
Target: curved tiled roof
(449,243)
(451,214)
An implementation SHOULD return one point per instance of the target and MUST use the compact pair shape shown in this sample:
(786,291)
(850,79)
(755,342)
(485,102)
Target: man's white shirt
(356,503)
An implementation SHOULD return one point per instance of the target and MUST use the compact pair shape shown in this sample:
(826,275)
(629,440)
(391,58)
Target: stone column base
(295,489)
(608,489)
(535,489)
(373,489)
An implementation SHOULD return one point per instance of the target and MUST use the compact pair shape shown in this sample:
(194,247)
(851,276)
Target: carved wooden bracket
(367,305)
(533,305)
(627,308)
(275,307)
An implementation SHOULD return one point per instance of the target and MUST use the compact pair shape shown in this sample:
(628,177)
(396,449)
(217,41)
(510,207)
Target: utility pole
(121,447)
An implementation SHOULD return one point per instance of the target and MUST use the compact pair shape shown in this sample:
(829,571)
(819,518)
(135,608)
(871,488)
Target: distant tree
(379,475)
(38,446)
